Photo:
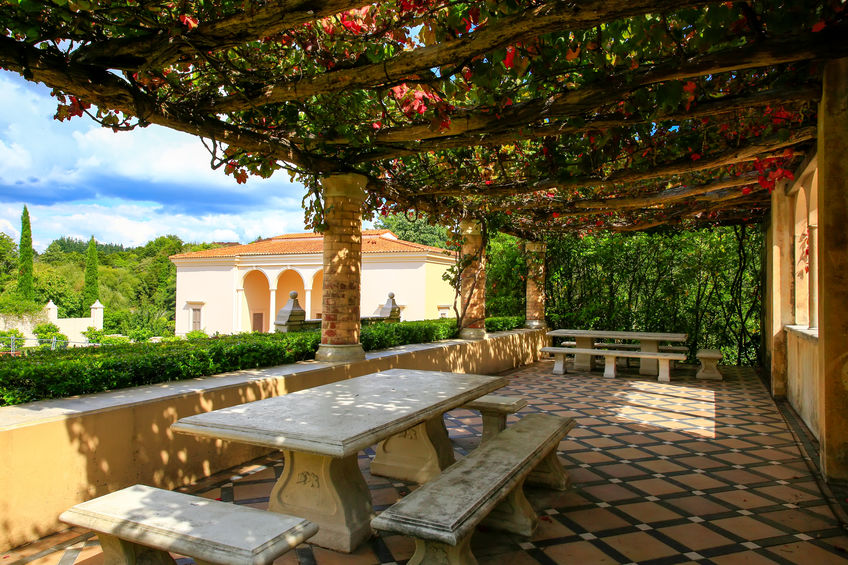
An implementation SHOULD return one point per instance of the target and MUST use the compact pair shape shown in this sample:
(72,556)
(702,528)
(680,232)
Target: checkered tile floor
(664,473)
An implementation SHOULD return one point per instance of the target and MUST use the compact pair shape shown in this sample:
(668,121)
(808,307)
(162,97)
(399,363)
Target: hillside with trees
(136,285)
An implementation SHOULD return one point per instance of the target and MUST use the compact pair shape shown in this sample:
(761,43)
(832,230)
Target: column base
(472,333)
(340,353)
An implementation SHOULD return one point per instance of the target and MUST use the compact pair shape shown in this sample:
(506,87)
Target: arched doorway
(317,295)
(257,294)
(802,260)
(289,280)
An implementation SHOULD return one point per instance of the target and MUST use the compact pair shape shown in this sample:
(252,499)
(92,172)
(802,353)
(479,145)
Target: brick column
(340,319)
(534,316)
(473,281)
(833,268)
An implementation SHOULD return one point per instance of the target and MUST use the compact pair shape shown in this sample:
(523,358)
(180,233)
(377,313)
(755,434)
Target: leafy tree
(91,290)
(25,288)
(506,270)
(417,229)
(8,256)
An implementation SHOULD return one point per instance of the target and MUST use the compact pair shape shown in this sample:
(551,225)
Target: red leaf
(572,54)
(189,21)
(819,26)
(510,57)
(695,156)
(690,87)
(746,190)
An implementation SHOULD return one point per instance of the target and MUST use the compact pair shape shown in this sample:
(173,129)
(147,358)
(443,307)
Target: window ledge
(811,334)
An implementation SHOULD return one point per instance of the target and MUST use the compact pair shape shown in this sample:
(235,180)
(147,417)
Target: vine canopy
(546,116)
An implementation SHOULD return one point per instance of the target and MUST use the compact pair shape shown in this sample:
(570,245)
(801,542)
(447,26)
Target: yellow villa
(242,287)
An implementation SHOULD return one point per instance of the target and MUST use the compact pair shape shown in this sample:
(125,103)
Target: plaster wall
(439,291)
(210,287)
(58,453)
(406,279)
(803,379)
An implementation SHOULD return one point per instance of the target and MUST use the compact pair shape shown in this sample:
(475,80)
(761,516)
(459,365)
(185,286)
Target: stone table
(648,341)
(320,431)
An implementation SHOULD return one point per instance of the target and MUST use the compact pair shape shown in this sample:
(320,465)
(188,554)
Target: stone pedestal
(534,315)
(833,268)
(340,319)
(473,281)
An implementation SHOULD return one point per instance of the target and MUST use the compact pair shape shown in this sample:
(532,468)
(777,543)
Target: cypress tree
(25,288)
(91,289)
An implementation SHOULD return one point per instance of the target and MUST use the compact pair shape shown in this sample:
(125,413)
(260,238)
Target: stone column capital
(348,185)
(535,246)
(469,227)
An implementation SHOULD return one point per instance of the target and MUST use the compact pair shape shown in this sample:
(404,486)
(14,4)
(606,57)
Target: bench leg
(664,375)
(415,455)
(437,553)
(329,491)
(708,370)
(549,473)
(513,514)
(559,364)
(117,551)
(609,366)
(493,424)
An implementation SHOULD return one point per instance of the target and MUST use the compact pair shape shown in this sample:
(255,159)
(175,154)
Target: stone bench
(636,347)
(610,355)
(494,409)
(142,524)
(484,487)
(709,358)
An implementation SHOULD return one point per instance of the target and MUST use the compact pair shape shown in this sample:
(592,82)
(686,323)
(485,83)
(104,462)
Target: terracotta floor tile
(739,476)
(804,553)
(362,556)
(696,536)
(698,505)
(610,492)
(549,527)
(655,487)
(596,519)
(661,466)
(743,558)
(786,493)
(639,546)
(579,552)
(747,528)
(619,470)
(744,499)
(648,512)
(799,520)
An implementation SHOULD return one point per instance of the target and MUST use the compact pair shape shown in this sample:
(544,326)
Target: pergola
(531,118)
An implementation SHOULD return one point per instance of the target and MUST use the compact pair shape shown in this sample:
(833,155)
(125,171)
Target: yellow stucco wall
(59,453)
(211,285)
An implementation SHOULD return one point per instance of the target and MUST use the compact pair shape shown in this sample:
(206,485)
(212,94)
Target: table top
(341,418)
(659,336)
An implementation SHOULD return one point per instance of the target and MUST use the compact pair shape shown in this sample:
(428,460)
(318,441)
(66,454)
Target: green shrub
(504,323)
(57,374)
(6,339)
(196,334)
(49,336)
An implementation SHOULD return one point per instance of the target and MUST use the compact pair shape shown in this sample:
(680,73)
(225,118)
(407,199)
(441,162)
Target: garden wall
(61,452)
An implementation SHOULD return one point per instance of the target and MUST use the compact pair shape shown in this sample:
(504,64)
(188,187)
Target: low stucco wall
(803,381)
(58,453)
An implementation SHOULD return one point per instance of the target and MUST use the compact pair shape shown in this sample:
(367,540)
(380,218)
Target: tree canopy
(546,115)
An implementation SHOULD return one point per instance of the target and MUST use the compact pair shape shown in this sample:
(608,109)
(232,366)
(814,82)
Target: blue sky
(79,180)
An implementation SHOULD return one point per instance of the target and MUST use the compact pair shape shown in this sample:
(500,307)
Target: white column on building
(239,298)
(307,302)
(272,309)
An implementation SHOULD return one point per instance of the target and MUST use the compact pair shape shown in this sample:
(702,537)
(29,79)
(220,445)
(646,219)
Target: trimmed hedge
(59,374)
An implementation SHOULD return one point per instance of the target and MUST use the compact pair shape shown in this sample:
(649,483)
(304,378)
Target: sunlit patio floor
(682,472)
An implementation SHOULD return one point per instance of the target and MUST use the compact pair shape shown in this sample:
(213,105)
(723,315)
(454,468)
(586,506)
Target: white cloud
(79,180)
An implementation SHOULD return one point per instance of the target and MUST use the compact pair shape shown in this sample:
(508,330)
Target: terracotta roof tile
(373,241)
